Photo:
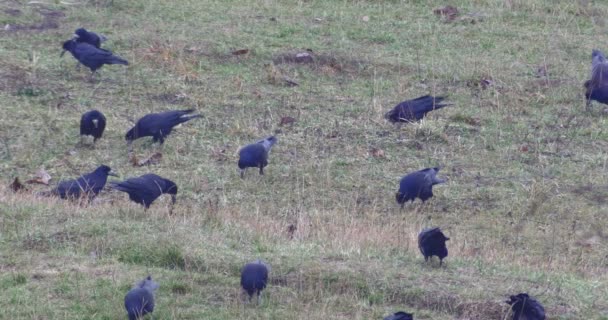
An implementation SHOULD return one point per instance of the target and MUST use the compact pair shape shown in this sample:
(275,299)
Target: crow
(90,56)
(92,123)
(255,155)
(92,38)
(526,308)
(431,242)
(159,125)
(88,185)
(139,301)
(418,184)
(597,86)
(147,188)
(254,277)
(414,110)
(400,316)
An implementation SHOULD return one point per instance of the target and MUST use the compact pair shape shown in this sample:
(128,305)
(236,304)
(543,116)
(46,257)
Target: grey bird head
(268,142)
(147,284)
(431,175)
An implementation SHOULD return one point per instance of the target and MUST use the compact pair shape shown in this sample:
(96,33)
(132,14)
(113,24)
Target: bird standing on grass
(400,316)
(139,301)
(90,56)
(92,123)
(159,125)
(414,110)
(254,277)
(88,185)
(525,307)
(255,155)
(431,242)
(147,188)
(92,38)
(418,184)
(597,86)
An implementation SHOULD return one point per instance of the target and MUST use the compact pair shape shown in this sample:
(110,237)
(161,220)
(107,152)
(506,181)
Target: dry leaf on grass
(155,158)
(287,120)
(41,177)
(240,52)
(449,13)
(377,153)
(16,186)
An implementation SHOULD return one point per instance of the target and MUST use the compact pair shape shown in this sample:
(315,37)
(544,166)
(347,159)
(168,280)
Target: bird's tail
(118,60)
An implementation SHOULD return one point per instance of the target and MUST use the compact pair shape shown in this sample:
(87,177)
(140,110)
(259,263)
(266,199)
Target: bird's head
(68,46)
(80,33)
(130,136)
(105,170)
(269,142)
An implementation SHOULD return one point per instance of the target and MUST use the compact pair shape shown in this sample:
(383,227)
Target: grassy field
(525,205)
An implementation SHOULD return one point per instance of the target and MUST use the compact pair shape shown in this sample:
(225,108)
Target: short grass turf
(525,204)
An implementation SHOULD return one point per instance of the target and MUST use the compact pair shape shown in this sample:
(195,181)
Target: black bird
(597,86)
(147,188)
(431,242)
(139,301)
(88,185)
(254,277)
(418,184)
(400,316)
(90,56)
(414,110)
(255,155)
(92,123)
(159,125)
(526,308)
(92,38)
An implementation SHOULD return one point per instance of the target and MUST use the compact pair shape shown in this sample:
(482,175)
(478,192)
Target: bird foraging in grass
(414,110)
(92,123)
(255,155)
(159,125)
(431,242)
(254,278)
(88,185)
(147,188)
(90,56)
(525,307)
(400,316)
(597,86)
(418,184)
(139,301)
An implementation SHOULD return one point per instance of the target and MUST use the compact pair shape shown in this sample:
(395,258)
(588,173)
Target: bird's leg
(588,105)
(242,173)
(261,170)
(259,298)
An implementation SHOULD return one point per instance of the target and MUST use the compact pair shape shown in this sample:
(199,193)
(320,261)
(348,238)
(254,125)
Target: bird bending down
(418,184)
(597,86)
(90,56)
(88,185)
(431,242)
(147,188)
(525,307)
(139,301)
(92,123)
(254,277)
(414,110)
(159,125)
(400,316)
(255,155)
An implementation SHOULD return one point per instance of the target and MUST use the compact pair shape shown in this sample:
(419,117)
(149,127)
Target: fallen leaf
(41,177)
(219,154)
(365,18)
(291,230)
(377,153)
(524,148)
(240,52)
(17,186)
(287,120)
(303,57)
(155,158)
(449,13)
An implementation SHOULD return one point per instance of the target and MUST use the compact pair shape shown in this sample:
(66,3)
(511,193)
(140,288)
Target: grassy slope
(525,205)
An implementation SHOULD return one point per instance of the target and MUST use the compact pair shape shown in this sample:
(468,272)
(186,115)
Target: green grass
(525,204)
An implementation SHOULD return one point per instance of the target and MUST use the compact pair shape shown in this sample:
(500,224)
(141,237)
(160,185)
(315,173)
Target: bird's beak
(62,53)
(95,122)
(113,174)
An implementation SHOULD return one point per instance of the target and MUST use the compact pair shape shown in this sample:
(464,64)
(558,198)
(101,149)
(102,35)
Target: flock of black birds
(85,46)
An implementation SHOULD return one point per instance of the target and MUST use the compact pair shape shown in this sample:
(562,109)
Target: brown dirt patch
(328,64)
(50,20)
